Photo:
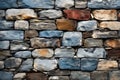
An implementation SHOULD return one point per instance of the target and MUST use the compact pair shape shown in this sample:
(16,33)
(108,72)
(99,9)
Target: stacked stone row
(59,39)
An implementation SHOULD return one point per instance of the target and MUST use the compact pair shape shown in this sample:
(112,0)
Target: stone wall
(59,39)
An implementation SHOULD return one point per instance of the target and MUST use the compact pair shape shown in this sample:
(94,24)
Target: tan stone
(30,34)
(114,75)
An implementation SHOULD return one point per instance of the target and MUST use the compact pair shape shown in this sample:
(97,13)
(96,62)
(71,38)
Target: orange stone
(65,24)
(77,14)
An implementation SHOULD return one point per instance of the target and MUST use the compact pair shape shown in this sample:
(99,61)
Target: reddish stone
(113,53)
(119,16)
(77,14)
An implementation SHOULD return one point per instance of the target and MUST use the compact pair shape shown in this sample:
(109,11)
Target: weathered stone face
(30,34)
(80,3)
(59,78)
(114,75)
(4,54)
(23,54)
(113,54)
(19,76)
(6,75)
(6,24)
(2,14)
(4,44)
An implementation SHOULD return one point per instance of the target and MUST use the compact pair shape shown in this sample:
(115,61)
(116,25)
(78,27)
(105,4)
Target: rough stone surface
(87,34)
(77,14)
(92,52)
(2,14)
(105,14)
(50,34)
(113,54)
(59,78)
(4,44)
(65,24)
(11,35)
(80,3)
(51,14)
(87,25)
(72,39)
(4,54)
(47,53)
(45,64)
(90,42)
(43,42)
(6,75)
(13,14)
(114,75)
(21,24)
(78,75)
(69,63)
(64,52)
(6,24)
(23,54)
(64,3)
(30,34)
(1,64)
(107,65)
(19,76)
(12,62)
(27,65)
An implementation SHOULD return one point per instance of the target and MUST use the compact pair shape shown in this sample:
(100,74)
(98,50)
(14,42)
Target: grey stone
(23,54)
(114,75)
(80,3)
(64,3)
(107,4)
(4,54)
(21,24)
(92,52)
(64,52)
(89,64)
(11,35)
(1,64)
(52,33)
(19,45)
(6,75)
(78,75)
(45,64)
(26,65)
(4,44)
(59,78)
(6,24)
(69,63)
(12,62)
(2,13)
(72,39)
(19,76)
(51,14)
(87,25)
(37,3)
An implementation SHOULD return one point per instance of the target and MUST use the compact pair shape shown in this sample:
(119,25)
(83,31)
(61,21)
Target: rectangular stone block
(113,54)
(80,3)
(6,24)
(4,44)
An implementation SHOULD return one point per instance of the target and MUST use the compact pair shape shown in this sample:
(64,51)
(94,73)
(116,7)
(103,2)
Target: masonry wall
(59,39)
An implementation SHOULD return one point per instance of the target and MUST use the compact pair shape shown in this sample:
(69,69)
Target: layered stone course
(59,40)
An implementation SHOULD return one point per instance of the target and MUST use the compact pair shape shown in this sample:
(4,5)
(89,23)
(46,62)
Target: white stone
(19,76)
(21,24)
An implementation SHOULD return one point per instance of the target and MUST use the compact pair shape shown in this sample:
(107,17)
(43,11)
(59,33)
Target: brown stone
(119,16)
(65,24)
(114,53)
(36,76)
(30,34)
(77,14)
(4,54)
(87,34)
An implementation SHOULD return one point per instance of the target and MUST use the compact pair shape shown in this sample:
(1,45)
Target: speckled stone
(23,54)
(4,44)
(4,54)
(114,75)
(59,78)
(6,24)
(30,34)
(6,75)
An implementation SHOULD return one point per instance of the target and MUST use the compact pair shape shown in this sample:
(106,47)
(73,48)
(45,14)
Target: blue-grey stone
(6,75)
(107,4)
(36,3)
(8,4)
(6,24)
(2,14)
(11,35)
(89,64)
(50,34)
(4,44)
(23,54)
(69,63)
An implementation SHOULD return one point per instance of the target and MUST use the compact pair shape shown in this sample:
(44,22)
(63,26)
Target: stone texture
(6,24)
(104,34)
(51,14)
(36,3)
(107,65)
(107,4)
(105,14)
(13,14)
(64,52)
(19,45)
(113,54)
(4,44)
(87,25)
(47,53)
(78,75)
(6,75)
(69,63)
(89,64)
(23,54)
(87,34)
(59,78)
(64,3)
(2,14)
(12,62)
(26,65)
(4,54)
(11,35)
(99,75)
(45,64)
(21,24)
(42,24)
(90,42)
(77,14)
(65,24)
(119,16)
(43,42)
(51,34)
(91,52)
(114,75)
(19,76)
(36,76)
(30,34)
(72,39)
(1,64)
(80,3)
